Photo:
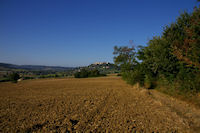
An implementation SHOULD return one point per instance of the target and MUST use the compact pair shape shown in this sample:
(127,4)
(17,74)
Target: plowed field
(104,104)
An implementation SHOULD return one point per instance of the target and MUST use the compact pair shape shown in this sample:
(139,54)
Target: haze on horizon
(77,33)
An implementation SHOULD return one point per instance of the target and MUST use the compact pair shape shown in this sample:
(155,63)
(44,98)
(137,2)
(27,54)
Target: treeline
(13,77)
(84,73)
(171,60)
(22,76)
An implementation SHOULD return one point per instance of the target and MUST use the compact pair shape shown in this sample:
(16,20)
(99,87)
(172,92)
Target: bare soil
(105,104)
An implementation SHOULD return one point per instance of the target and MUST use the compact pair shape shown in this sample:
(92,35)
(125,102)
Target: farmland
(91,104)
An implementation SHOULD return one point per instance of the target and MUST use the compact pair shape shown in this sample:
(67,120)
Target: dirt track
(93,104)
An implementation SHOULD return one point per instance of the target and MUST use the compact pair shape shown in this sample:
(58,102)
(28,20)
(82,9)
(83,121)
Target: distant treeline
(13,76)
(171,60)
(84,73)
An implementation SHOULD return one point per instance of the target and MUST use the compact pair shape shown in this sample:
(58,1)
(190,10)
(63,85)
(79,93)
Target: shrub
(149,82)
(134,76)
(119,74)
(14,77)
(4,80)
(26,78)
(88,73)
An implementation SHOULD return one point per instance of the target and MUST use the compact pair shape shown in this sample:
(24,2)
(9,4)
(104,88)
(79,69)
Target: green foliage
(26,78)
(14,77)
(82,74)
(173,59)
(51,76)
(149,82)
(184,38)
(188,79)
(88,73)
(119,74)
(134,76)
(125,57)
(4,79)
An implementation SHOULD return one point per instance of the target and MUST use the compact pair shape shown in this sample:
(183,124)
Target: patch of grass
(188,96)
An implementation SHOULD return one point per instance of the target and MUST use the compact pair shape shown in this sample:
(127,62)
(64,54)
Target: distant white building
(100,63)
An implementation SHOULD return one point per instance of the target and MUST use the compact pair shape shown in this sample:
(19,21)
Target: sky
(80,32)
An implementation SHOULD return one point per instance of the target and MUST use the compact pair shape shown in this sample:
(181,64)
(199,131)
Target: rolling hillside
(6,67)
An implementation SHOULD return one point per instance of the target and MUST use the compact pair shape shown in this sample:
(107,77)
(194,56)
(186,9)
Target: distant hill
(7,67)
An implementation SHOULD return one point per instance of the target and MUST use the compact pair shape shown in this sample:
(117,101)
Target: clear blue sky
(79,32)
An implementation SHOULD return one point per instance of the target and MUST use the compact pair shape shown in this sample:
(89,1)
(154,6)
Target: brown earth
(104,104)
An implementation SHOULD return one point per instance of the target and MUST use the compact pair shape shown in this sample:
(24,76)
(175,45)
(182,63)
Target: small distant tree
(84,73)
(94,73)
(14,77)
(77,75)
(56,75)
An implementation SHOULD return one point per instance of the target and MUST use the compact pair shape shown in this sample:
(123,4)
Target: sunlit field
(91,104)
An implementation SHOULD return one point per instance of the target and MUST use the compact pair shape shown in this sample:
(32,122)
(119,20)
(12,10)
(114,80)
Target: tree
(188,50)
(131,70)
(14,77)
(84,73)
(125,57)
(94,73)
(158,59)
